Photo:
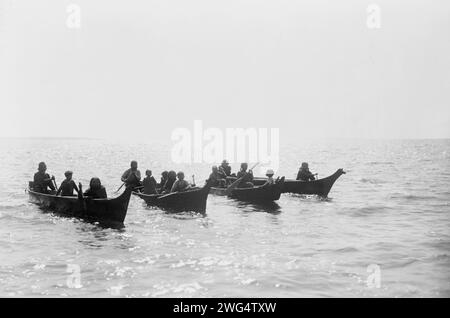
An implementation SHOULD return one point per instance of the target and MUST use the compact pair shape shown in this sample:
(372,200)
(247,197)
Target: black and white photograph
(198,150)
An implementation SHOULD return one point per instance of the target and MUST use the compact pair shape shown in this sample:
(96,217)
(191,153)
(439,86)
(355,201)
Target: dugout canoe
(111,210)
(187,201)
(258,194)
(320,187)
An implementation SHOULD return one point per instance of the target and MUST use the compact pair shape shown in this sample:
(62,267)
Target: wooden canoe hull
(188,201)
(103,210)
(320,187)
(258,194)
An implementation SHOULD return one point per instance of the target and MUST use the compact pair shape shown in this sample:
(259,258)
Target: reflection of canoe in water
(318,187)
(103,210)
(191,200)
(257,194)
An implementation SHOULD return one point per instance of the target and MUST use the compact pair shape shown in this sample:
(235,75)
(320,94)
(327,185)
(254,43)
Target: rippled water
(390,209)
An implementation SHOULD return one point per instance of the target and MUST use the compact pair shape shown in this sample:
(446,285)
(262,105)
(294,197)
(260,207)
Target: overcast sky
(142,68)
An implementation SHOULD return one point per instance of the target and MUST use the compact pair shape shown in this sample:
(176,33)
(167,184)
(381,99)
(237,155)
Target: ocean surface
(384,231)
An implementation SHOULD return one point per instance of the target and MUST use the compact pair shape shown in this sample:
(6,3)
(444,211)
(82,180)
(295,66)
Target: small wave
(413,197)
(373,163)
(441,257)
(370,210)
(371,181)
(400,264)
(347,250)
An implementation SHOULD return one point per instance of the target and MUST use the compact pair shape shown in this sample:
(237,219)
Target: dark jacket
(215,178)
(168,185)
(226,170)
(149,184)
(131,178)
(247,179)
(305,175)
(42,181)
(99,193)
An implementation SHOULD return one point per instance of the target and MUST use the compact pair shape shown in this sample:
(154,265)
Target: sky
(141,69)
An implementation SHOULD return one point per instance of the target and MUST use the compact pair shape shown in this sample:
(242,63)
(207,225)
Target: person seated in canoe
(96,190)
(270,180)
(304,174)
(67,186)
(171,178)
(163,181)
(247,176)
(149,183)
(217,178)
(42,180)
(132,176)
(180,185)
(225,168)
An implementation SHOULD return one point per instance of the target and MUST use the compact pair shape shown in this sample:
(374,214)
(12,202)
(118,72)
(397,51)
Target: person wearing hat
(149,183)
(42,180)
(270,179)
(304,174)
(225,168)
(132,176)
(67,186)
(181,184)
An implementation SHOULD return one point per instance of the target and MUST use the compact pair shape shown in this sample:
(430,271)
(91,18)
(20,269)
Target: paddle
(168,194)
(232,186)
(80,195)
(193,180)
(124,184)
(54,183)
(120,187)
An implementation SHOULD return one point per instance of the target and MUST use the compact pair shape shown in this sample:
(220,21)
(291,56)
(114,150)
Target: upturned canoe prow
(320,187)
(110,210)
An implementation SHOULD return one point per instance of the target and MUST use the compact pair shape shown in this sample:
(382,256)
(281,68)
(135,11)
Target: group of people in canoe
(170,180)
(44,183)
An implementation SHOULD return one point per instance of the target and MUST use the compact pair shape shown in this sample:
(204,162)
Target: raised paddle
(232,186)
